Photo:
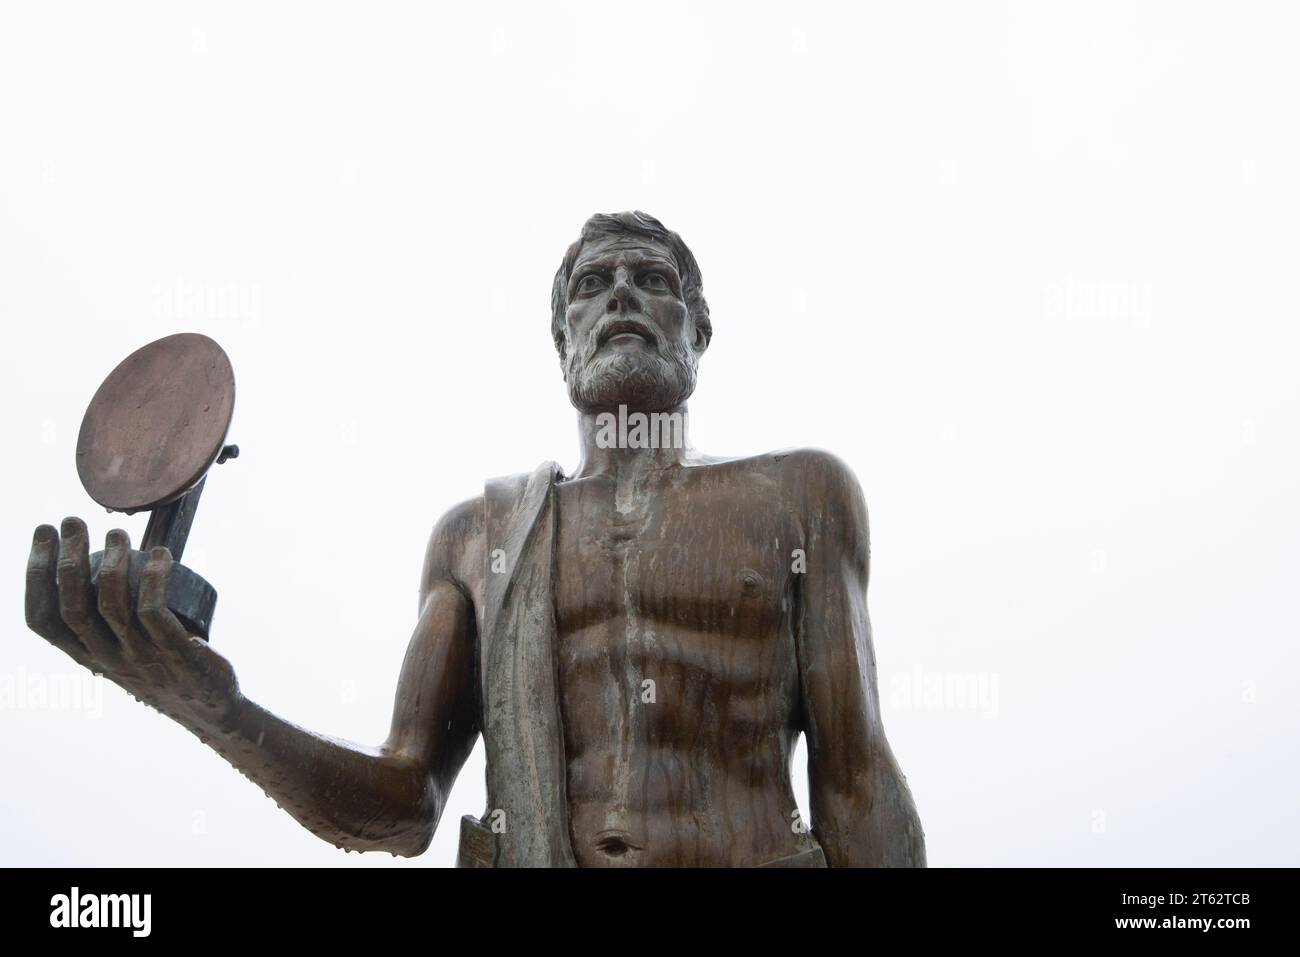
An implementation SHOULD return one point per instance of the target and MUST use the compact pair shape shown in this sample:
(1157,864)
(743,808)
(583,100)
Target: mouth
(626,331)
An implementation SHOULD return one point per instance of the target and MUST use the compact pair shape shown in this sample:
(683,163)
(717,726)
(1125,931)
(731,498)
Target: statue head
(628,315)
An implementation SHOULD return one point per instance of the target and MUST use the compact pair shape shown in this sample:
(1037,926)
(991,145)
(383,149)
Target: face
(629,338)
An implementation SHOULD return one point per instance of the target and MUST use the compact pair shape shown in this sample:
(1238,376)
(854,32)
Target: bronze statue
(640,642)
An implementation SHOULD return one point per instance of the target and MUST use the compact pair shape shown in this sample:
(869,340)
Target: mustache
(613,326)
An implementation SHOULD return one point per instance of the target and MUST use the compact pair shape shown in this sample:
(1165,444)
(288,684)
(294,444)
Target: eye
(590,283)
(654,281)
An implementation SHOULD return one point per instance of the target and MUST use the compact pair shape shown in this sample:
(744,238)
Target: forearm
(387,798)
(358,798)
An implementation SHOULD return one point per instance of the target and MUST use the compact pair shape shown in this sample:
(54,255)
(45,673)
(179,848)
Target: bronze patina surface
(153,429)
(157,423)
(640,641)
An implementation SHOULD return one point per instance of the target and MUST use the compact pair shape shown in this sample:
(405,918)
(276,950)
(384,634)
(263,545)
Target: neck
(625,444)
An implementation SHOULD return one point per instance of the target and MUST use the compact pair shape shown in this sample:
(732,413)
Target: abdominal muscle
(678,748)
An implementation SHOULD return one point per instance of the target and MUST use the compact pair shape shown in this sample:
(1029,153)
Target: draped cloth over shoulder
(528,811)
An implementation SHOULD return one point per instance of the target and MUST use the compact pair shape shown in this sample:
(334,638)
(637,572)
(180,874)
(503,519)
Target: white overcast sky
(1030,269)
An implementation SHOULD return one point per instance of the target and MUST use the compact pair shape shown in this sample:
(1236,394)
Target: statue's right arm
(385,798)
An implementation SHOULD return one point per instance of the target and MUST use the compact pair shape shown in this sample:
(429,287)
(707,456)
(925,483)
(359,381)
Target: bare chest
(677,668)
(716,563)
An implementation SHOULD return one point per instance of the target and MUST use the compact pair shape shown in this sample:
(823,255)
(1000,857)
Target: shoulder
(815,479)
(816,465)
(826,495)
(801,478)
(456,551)
(802,463)
(455,547)
(814,485)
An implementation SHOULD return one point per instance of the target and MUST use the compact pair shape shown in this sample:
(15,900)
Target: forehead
(617,250)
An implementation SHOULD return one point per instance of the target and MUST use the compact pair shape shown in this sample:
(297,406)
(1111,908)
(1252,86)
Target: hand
(133,640)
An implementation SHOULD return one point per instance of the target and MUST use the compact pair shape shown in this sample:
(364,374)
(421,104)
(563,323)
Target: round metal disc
(157,423)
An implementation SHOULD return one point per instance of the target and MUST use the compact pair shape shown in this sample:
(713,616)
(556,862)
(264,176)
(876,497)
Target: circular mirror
(157,423)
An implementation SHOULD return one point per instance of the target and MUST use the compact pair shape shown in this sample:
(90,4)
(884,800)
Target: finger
(77,604)
(114,587)
(169,636)
(41,601)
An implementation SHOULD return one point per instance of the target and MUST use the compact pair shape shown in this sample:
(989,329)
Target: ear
(701,340)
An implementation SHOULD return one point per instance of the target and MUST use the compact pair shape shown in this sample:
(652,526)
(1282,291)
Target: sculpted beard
(644,381)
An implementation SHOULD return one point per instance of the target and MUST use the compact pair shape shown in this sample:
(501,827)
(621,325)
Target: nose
(622,295)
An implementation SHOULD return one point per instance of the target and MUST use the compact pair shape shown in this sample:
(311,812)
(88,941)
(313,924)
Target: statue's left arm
(862,810)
